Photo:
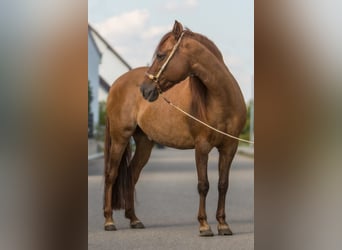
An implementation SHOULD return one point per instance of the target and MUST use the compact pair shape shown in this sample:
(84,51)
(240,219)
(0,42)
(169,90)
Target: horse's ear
(177,29)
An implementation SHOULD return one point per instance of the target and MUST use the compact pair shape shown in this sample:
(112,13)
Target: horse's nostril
(149,92)
(143,91)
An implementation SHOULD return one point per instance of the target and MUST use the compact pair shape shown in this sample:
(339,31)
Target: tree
(90,96)
(245,134)
(102,113)
(100,128)
(90,115)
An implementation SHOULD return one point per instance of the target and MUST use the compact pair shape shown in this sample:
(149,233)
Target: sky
(134,28)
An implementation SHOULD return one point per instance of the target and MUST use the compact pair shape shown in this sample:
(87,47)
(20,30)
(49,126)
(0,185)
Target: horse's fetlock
(221,217)
(202,218)
(107,213)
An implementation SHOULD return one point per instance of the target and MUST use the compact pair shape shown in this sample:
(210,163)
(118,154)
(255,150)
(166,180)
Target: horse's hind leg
(111,172)
(117,156)
(225,160)
(142,154)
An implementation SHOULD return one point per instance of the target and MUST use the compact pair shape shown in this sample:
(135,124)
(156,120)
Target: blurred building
(104,66)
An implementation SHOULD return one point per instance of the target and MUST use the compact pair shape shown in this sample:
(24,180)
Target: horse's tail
(124,181)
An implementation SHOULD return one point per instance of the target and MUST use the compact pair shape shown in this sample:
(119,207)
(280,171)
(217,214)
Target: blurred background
(44,121)
(124,36)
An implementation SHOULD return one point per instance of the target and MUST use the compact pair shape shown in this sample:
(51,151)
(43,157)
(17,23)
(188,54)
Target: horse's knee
(203,187)
(222,187)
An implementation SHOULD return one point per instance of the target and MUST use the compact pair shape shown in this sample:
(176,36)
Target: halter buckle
(151,77)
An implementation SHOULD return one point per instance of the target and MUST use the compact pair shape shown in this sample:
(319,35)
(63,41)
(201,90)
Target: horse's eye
(160,56)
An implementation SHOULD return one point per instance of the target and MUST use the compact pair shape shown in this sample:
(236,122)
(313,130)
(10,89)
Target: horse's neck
(220,83)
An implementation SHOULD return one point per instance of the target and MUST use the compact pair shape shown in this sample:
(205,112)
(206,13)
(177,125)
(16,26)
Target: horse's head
(170,66)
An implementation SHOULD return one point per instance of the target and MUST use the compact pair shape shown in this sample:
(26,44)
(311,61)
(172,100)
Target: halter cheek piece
(155,78)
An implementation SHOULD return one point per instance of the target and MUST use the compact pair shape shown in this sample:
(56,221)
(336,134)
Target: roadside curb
(246,151)
(95,156)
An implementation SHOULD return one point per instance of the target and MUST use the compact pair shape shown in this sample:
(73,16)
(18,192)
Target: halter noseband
(155,78)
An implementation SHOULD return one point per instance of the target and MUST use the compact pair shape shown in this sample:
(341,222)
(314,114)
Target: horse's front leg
(225,160)
(203,188)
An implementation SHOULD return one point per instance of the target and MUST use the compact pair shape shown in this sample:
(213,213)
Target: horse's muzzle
(149,92)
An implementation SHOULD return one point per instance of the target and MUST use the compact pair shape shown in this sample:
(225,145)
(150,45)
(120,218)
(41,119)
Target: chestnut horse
(189,70)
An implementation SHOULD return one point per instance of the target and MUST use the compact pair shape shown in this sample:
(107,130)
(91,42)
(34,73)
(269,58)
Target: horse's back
(125,88)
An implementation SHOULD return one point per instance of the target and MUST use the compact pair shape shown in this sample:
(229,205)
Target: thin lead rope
(203,123)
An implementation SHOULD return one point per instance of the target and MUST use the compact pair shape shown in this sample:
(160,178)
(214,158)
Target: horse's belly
(167,128)
(172,136)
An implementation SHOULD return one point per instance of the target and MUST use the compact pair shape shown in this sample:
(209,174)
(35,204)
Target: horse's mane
(200,38)
(198,89)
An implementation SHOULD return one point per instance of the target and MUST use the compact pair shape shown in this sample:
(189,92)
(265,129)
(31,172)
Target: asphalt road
(167,204)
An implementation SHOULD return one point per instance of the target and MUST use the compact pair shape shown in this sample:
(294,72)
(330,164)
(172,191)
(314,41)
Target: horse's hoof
(137,225)
(206,233)
(110,227)
(225,231)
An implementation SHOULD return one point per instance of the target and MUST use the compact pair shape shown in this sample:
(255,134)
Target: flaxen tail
(124,181)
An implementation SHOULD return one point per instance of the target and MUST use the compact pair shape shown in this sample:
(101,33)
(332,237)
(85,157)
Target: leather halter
(155,78)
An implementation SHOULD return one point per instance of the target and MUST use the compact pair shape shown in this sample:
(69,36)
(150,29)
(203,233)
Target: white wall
(111,66)
(102,94)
